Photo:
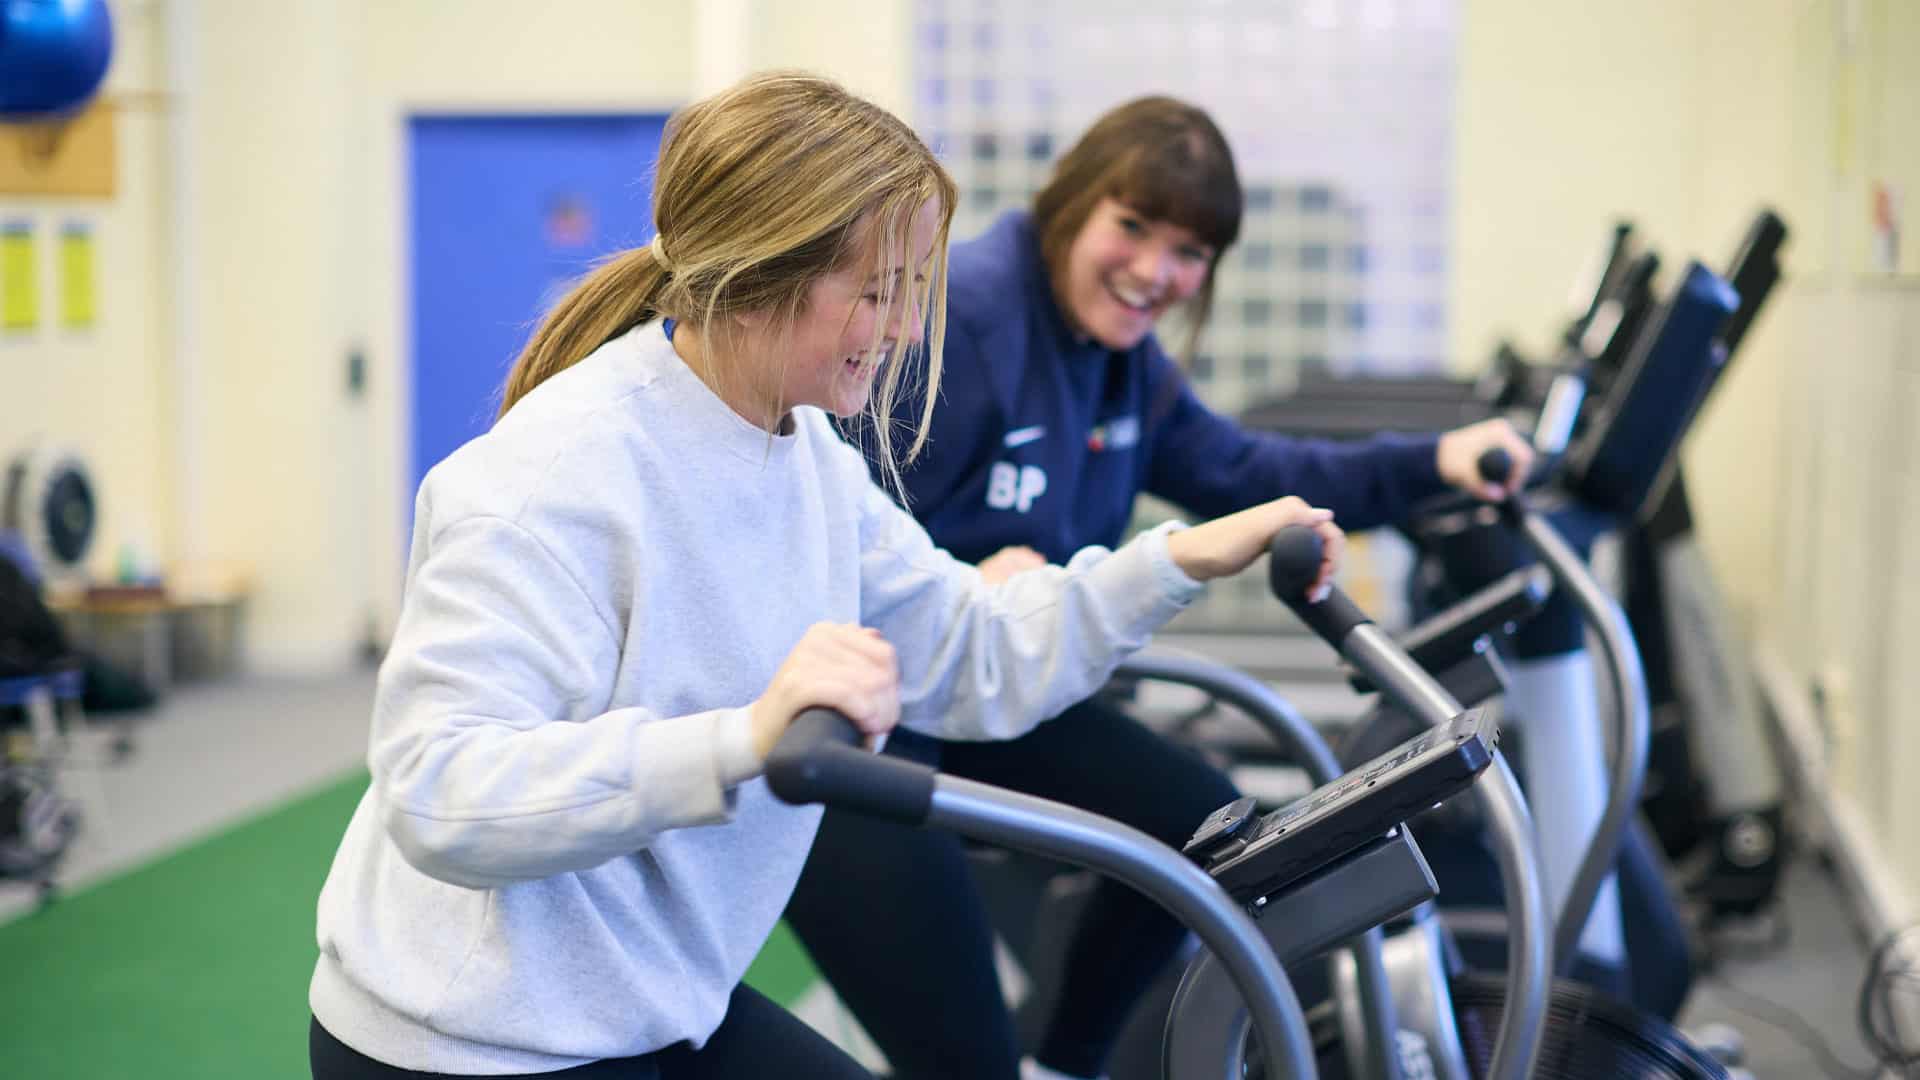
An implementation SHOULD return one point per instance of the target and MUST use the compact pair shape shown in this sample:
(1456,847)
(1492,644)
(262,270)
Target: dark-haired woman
(1060,406)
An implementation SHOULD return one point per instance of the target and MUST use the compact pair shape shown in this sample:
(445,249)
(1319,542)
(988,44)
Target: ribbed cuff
(1177,584)
(734,758)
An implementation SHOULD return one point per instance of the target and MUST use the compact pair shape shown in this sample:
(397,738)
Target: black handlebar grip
(1294,563)
(1496,465)
(820,760)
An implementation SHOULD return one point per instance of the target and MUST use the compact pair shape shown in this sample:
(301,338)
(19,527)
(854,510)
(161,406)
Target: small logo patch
(1118,433)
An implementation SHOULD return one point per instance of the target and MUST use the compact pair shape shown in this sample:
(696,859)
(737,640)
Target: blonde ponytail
(618,295)
(762,190)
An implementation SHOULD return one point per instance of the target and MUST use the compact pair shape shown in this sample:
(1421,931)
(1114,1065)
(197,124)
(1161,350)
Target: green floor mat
(195,966)
(782,971)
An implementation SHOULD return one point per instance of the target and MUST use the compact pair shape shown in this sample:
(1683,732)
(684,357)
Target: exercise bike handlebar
(1294,562)
(1629,699)
(819,760)
(1629,696)
(1298,736)
(1295,555)
(1495,465)
(1262,704)
(1631,727)
(1293,565)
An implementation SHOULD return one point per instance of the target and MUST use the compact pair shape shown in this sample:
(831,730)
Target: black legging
(913,957)
(757,1039)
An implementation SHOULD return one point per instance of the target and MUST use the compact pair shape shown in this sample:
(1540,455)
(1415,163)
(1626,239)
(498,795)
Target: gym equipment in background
(1715,785)
(47,501)
(48,521)
(1585,1033)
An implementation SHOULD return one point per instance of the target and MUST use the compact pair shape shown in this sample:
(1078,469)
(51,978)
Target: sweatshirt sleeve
(1212,466)
(991,662)
(492,759)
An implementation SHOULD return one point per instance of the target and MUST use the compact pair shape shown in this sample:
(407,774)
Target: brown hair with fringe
(1163,158)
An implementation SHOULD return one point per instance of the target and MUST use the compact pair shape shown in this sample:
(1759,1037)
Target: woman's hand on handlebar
(840,666)
(1459,458)
(1228,545)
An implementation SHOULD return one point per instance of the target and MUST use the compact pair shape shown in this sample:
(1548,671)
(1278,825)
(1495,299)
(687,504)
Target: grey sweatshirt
(566,853)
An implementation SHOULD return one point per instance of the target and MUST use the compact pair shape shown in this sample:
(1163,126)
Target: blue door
(506,211)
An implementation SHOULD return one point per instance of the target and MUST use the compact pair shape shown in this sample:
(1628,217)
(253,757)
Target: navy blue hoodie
(1044,438)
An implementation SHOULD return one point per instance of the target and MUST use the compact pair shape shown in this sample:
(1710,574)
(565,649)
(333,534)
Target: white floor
(209,757)
(1786,998)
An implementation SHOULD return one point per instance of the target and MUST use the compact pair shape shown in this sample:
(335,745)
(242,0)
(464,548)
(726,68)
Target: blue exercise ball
(53,54)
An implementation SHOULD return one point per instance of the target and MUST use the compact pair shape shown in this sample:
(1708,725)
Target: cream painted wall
(479,57)
(102,392)
(257,237)
(276,437)
(501,54)
(1686,117)
(253,241)
(1848,531)
(653,56)
(866,45)
(1851,541)
(1672,115)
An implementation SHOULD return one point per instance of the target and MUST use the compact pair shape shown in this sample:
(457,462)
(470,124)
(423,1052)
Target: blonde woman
(619,597)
